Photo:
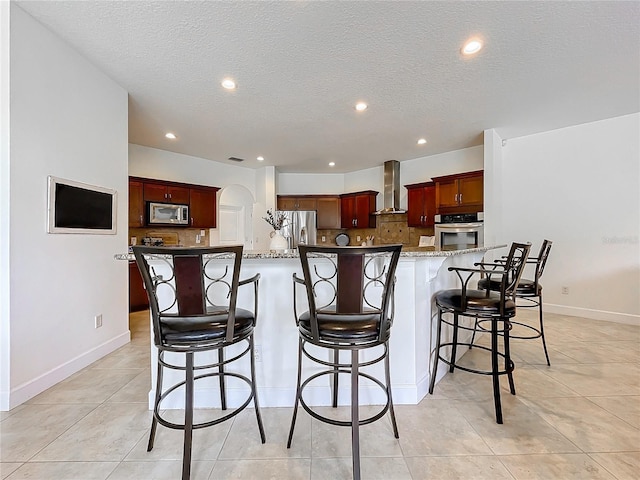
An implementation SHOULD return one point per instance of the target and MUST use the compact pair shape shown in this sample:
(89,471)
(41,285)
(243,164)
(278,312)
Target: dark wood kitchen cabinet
(460,193)
(202,200)
(166,193)
(290,202)
(136,204)
(138,299)
(421,204)
(356,209)
(202,207)
(328,212)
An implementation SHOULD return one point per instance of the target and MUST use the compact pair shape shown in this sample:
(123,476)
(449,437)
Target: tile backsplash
(171,236)
(390,228)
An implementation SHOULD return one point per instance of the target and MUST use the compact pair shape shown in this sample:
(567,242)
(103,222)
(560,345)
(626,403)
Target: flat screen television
(76,207)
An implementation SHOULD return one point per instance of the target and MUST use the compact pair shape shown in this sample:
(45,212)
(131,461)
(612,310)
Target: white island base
(420,274)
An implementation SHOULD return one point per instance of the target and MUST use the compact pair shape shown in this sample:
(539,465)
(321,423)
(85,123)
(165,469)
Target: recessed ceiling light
(471,47)
(170,136)
(260,159)
(229,84)
(422,141)
(332,164)
(361,106)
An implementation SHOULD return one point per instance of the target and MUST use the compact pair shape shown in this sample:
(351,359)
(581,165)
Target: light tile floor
(578,419)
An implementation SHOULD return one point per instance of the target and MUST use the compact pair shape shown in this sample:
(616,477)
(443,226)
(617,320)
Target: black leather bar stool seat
(495,308)
(192,297)
(350,309)
(529,291)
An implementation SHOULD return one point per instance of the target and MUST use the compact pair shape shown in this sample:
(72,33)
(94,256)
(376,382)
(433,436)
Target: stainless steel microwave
(167,214)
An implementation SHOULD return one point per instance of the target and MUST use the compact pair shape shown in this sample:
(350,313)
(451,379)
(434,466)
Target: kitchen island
(421,272)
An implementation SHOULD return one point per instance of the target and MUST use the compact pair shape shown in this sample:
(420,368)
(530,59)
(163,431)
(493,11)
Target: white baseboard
(30,389)
(593,314)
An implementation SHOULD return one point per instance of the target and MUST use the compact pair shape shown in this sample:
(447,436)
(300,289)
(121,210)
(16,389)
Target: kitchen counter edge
(409,252)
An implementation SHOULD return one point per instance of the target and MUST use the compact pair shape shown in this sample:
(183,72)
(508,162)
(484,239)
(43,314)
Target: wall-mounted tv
(76,207)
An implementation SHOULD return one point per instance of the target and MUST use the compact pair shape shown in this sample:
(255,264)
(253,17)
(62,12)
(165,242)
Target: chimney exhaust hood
(391,192)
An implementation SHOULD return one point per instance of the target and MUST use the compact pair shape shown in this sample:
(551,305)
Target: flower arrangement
(277,221)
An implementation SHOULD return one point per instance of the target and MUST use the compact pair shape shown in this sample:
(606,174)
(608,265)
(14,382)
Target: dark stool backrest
(341,277)
(514,266)
(542,260)
(189,289)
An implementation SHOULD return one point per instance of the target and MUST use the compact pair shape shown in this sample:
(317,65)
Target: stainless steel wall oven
(459,231)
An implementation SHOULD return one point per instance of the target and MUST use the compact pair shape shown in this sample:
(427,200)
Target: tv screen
(76,207)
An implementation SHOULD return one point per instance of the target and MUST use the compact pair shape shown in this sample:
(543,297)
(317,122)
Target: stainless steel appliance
(459,231)
(299,227)
(167,214)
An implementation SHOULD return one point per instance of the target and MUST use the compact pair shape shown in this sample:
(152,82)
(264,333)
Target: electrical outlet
(358,238)
(202,233)
(197,238)
(257,353)
(98,320)
(565,290)
(324,239)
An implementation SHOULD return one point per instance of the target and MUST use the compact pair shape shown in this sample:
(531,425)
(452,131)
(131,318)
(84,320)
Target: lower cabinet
(138,299)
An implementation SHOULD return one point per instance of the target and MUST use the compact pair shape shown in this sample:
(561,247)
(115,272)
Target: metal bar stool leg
(388,379)
(295,404)
(154,422)
(223,394)
(473,336)
(508,363)
(544,342)
(494,369)
(355,420)
(436,353)
(334,380)
(254,389)
(454,345)
(188,418)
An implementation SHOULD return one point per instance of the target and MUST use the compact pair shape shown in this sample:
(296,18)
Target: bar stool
(496,308)
(528,290)
(350,308)
(192,297)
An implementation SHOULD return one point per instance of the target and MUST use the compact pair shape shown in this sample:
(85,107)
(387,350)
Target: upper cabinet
(421,204)
(460,193)
(202,207)
(289,202)
(326,206)
(356,209)
(201,200)
(328,212)
(136,203)
(167,193)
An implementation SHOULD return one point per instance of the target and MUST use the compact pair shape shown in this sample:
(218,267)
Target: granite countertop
(410,252)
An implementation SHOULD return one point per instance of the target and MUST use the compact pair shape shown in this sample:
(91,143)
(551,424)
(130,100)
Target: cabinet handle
(141,221)
(191,221)
(460,198)
(169,196)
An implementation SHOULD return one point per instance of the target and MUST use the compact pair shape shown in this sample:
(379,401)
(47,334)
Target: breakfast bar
(421,272)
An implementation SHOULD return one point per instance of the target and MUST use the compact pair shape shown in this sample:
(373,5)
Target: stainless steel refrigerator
(299,227)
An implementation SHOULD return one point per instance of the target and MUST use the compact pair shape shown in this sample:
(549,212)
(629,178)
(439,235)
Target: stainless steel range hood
(391,193)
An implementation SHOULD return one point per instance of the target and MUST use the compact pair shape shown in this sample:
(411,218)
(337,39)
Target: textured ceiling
(301,66)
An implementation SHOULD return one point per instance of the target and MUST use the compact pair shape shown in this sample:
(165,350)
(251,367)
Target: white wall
(69,120)
(580,188)
(5,184)
(164,165)
(307,184)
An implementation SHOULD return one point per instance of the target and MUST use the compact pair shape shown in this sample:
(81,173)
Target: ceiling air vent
(236,159)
